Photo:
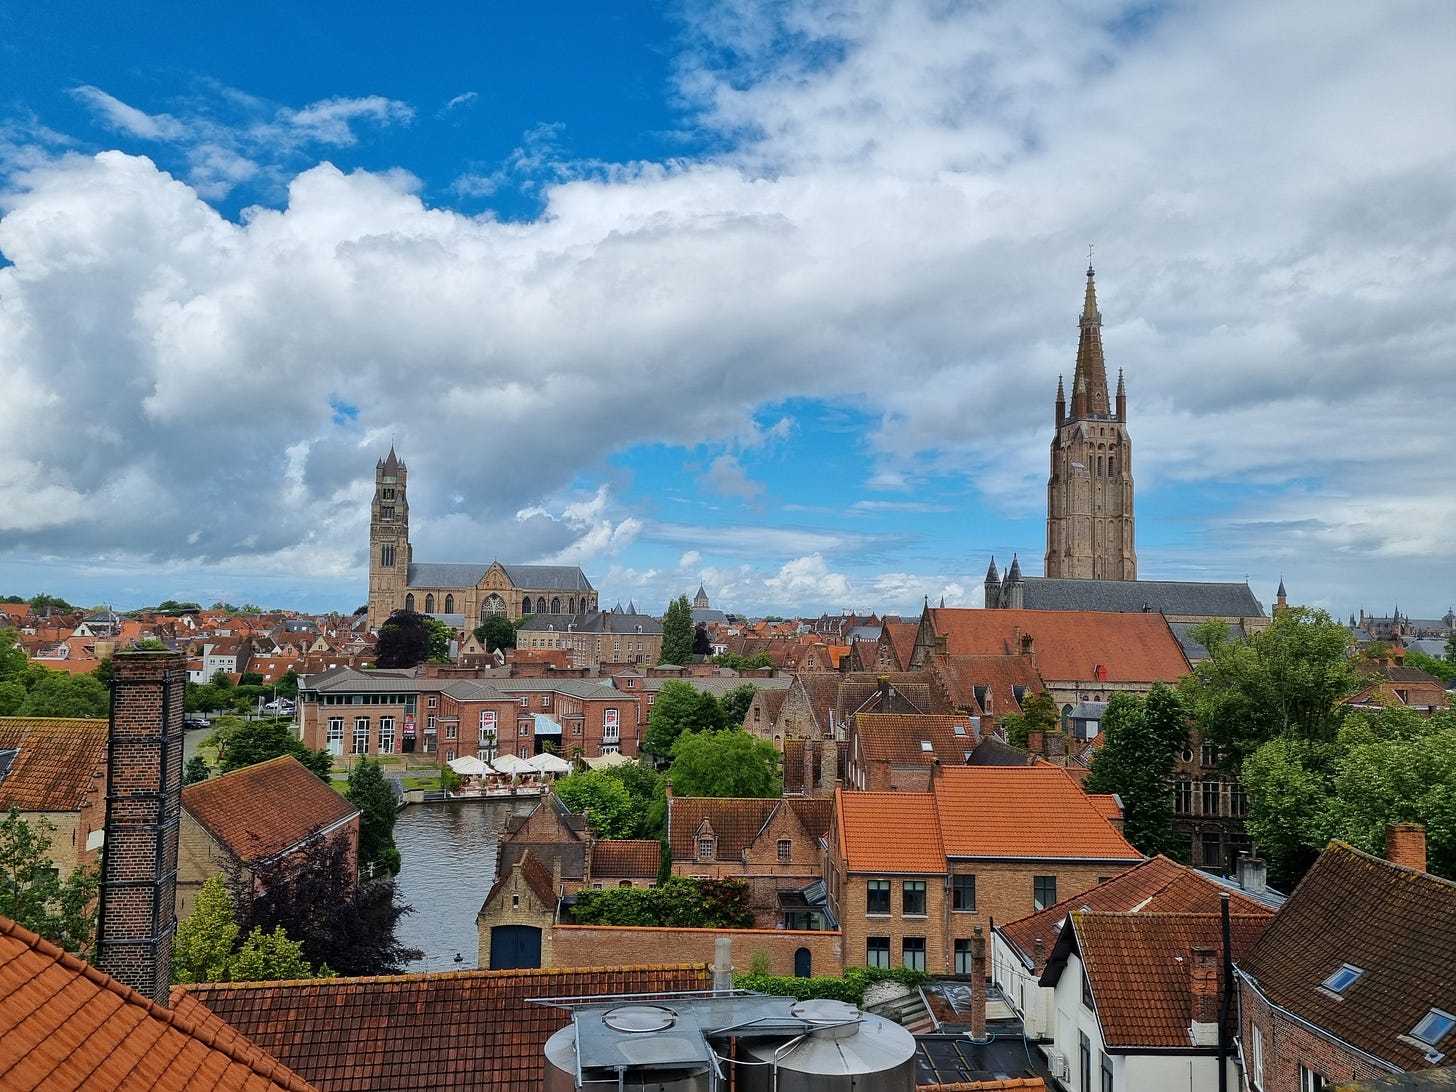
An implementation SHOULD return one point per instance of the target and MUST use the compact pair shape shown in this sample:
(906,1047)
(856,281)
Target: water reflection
(448,852)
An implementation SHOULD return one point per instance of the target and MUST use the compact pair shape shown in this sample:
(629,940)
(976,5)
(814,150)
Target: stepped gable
(260,811)
(55,763)
(736,822)
(66,1025)
(988,685)
(412,1033)
(1393,922)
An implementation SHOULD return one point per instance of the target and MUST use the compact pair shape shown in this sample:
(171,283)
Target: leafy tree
(679,707)
(13,660)
(54,602)
(440,635)
(702,646)
(1451,650)
(735,704)
(12,697)
(1039,711)
(449,780)
(56,694)
(680,902)
(1431,665)
(287,684)
(648,790)
(677,632)
(1291,677)
(32,893)
(207,948)
(497,631)
(250,678)
(1136,762)
(194,771)
(273,957)
(370,793)
(605,799)
(246,743)
(744,663)
(730,763)
(404,640)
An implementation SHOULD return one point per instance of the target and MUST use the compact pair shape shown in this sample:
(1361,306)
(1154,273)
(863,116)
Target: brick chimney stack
(1203,985)
(978,986)
(143,814)
(1405,844)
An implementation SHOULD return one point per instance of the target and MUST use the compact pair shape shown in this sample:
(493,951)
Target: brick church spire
(1091,375)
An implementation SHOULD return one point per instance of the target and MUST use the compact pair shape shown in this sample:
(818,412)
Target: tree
(53,602)
(730,763)
(1431,665)
(733,660)
(370,793)
(404,640)
(1135,761)
(701,645)
(1293,676)
(605,799)
(206,946)
(440,636)
(247,743)
(679,706)
(32,892)
(194,771)
(56,694)
(677,632)
(735,704)
(496,631)
(1039,711)
(273,957)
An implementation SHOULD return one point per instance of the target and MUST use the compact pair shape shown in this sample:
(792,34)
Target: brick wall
(143,813)
(1288,1045)
(594,945)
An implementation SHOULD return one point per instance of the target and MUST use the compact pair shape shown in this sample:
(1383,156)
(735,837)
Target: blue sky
(771,297)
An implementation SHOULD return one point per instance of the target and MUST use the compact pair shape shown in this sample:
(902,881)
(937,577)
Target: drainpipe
(1228,990)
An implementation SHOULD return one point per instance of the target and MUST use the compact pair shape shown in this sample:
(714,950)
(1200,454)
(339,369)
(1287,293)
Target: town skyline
(775,303)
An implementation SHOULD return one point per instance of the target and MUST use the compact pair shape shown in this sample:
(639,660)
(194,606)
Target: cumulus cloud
(894,219)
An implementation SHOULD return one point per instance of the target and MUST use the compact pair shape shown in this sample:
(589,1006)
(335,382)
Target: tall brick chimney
(1405,844)
(1203,994)
(143,813)
(978,987)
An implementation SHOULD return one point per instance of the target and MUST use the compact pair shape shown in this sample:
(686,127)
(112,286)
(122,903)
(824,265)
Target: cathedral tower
(389,545)
(1089,493)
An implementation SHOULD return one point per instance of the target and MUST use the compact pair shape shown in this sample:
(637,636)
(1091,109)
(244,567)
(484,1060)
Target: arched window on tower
(386,557)
(449,604)
(1099,466)
(430,603)
(409,601)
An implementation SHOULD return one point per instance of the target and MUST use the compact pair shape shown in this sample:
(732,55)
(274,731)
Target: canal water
(448,862)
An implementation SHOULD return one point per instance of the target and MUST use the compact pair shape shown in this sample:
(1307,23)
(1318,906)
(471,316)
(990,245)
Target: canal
(448,854)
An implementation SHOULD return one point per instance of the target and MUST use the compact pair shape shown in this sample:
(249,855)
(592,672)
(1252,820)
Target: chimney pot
(1405,844)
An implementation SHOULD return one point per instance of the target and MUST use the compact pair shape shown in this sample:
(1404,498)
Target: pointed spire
(631,607)
(942,602)
(991,573)
(1013,574)
(1091,374)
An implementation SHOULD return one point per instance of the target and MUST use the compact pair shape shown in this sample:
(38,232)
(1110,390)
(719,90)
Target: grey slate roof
(1205,599)
(534,577)
(593,622)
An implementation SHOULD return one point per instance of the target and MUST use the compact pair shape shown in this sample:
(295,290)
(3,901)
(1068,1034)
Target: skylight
(1343,978)
(959,729)
(6,758)
(925,745)
(1434,1027)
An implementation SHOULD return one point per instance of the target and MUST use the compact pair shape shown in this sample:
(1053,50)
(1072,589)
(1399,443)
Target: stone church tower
(389,545)
(1089,494)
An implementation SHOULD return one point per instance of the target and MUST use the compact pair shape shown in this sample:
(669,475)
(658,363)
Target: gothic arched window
(555,605)
(449,604)
(493,604)
(409,602)
(571,605)
(386,557)
(540,604)
(430,603)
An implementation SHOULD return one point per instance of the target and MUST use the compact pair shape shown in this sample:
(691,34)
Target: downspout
(1228,990)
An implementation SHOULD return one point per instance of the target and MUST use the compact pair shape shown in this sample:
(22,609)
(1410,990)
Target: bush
(850,988)
(680,903)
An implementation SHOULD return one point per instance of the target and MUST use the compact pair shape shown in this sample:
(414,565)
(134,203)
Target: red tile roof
(899,738)
(1069,644)
(736,821)
(260,811)
(889,832)
(902,639)
(467,1030)
(58,765)
(65,1025)
(988,684)
(626,858)
(1138,966)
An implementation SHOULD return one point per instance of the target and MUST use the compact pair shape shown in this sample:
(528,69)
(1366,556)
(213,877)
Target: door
(803,963)
(514,946)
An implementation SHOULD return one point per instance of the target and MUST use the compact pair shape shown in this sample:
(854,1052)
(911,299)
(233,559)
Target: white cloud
(128,119)
(331,121)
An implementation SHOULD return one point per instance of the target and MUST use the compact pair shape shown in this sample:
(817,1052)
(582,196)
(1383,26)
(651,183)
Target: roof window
(959,729)
(925,745)
(1342,979)
(1434,1027)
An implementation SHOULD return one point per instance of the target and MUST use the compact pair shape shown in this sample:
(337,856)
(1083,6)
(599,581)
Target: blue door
(803,963)
(514,946)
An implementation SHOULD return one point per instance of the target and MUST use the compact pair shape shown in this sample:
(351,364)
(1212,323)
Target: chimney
(1203,997)
(808,769)
(723,965)
(1253,874)
(1405,844)
(667,787)
(1036,742)
(828,766)
(1038,956)
(978,987)
(138,912)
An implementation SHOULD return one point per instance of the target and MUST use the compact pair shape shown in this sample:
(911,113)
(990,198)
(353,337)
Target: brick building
(53,769)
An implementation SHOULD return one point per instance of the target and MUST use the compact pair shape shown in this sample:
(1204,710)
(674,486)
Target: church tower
(1089,493)
(389,545)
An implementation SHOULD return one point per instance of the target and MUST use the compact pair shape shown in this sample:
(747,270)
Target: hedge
(680,903)
(849,988)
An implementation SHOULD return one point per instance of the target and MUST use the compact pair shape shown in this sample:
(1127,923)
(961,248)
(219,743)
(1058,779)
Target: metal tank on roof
(841,1048)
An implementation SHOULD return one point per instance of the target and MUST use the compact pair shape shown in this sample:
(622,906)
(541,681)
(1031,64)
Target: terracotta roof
(889,832)
(260,811)
(900,739)
(537,876)
(634,858)
(1007,1084)
(1106,804)
(1069,645)
(58,762)
(988,684)
(1138,966)
(1393,922)
(1023,812)
(1157,884)
(902,639)
(467,1030)
(65,1025)
(736,821)
(849,693)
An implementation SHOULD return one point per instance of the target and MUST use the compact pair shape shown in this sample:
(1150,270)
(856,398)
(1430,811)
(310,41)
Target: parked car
(193,723)
(279,705)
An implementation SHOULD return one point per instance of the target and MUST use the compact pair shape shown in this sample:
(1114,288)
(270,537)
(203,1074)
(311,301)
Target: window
(386,557)
(361,735)
(336,733)
(1183,797)
(877,952)
(962,957)
(1238,800)
(705,847)
(523,727)
(449,604)
(1310,1081)
(429,724)
(409,601)
(451,731)
(1208,755)
(912,953)
(386,494)
(450,755)
(1106,1073)
(1434,1027)
(545,701)
(912,898)
(1084,1062)
(877,897)
(523,752)
(1212,849)
(430,702)
(1087,1001)
(386,735)
(525,701)
(386,513)
(963,892)
(1043,891)
(1343,978)
(1211,789)
(786,850)
(1256,1049)
(430,603)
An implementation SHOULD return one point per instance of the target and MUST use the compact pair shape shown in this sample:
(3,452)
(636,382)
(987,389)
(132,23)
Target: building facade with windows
(911,875)
(472,591)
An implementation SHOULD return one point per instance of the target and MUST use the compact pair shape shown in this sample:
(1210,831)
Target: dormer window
(1435,1027)
(1342,979)
(705,847)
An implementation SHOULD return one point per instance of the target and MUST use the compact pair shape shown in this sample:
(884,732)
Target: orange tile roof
(1157,884)
(1138,966)
(889,832)
(260,811)
(66,1025)
(58,765)
(1106,803)
(466,1030)
(902,639)
(1070,645)
(1023,812)
(635,858)
(898,738)
(999,677)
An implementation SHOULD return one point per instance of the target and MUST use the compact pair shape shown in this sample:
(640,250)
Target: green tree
(370,793)
(1039,711)
(677,632)
(729,763)
(1291,677)
(194,771)
(605,799)
(1431,665)
(32,893)
(496,631)
(56,694)
(54,602)
(404,640)
(736,662)
(680,707)
(735,704)
(207,948)
(1135,761)
(702,646)
(246,743)
(440,636)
